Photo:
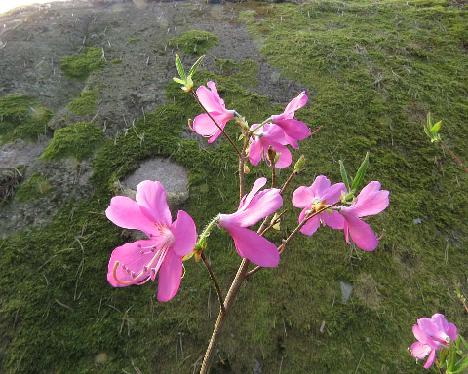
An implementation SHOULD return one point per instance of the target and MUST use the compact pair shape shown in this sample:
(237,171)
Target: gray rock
(172,176)
(346,290)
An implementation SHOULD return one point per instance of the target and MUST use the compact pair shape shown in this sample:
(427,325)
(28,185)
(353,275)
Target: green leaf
(344,175)
(180,81)
(358,180)
(436,128)
(461,365)
(180,68)
(194,67)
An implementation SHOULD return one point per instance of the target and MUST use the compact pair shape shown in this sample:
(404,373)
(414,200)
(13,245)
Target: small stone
(257,368)
(346,290)
(172,176)
(100,358)
(417,221)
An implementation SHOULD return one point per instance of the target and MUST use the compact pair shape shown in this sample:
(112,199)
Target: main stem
(236,283)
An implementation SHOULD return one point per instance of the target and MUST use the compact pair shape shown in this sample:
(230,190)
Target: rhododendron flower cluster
(432,334)
(168,243)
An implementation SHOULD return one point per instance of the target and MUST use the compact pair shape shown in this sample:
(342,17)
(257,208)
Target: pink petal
(332,194)
(332,219)
(434,328)
(320,186)
(263,205)
(298,102)
(303,197)
(295,129)
(311,226)
(125,213)
(204,125)
(430,359)
(152,199)
(185,234)
(169,277)
(285,156)
(420,334)
(129,255)
(452,331)
(258,184)
(210,100)
(255,151)
(371,200)
(253,247)
(361,233)
(419,350)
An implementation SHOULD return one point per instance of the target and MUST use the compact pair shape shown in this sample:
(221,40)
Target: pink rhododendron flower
(161,254)
(265,137)
(253,207)
(369,202)
(321,193)
(431,334)
(295,130)
(203,124)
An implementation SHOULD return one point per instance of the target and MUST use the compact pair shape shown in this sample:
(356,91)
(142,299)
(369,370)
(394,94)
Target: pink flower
(432,334)
(265,137)
(253,207)
(321,193)
(295,130)
(203,124)
(162,252)
(369,202)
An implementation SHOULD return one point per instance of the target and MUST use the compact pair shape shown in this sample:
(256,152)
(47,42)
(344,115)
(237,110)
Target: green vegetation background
(373,70)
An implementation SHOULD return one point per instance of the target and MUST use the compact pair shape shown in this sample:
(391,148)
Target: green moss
(33,188)
(244,72)
(79,140)
(196,42)
(81,65)
(85,104)
(22,117)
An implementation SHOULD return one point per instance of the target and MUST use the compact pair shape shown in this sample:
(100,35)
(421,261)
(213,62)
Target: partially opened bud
(300,164)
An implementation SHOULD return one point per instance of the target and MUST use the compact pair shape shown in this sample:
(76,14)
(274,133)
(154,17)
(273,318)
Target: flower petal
(430,360)
(185,233)
(295,129)
(303,197)
(152,199)
(253,247)
(332,194)
(320,186)
(255,151)
(419,350)
(332,219)
(285,156)
(169,278)
(297,103)
(371,200)
(129,255)
(258,184)
(210,98)
(361,233)
(125,213)
(420,334)
(311,226)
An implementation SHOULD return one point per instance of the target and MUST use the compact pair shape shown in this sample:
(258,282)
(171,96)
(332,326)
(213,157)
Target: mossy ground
(85,104)
(81,65)
(22,117)
(79,140)
(195,42)
(36,186)
(368,92)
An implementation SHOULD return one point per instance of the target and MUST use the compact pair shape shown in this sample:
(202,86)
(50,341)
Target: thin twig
(282,247)
(215,281)
(273,222)
(288,181)
(217,125)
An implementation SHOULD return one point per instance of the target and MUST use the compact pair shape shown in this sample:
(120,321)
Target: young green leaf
(180,81)
(436,128)
(359,178)
(195,66)
(180,68)
(344,175)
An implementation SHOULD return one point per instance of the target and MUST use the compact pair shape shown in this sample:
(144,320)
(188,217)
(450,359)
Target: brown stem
(228,302)
(215,282)
(288,181)
(282,247)
(273,222)
(217,125)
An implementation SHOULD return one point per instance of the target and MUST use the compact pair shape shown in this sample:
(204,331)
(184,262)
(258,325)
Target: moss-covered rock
(81,65)
(22,117)
(85,104)
(79,140)
(33,188)
(195,42)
